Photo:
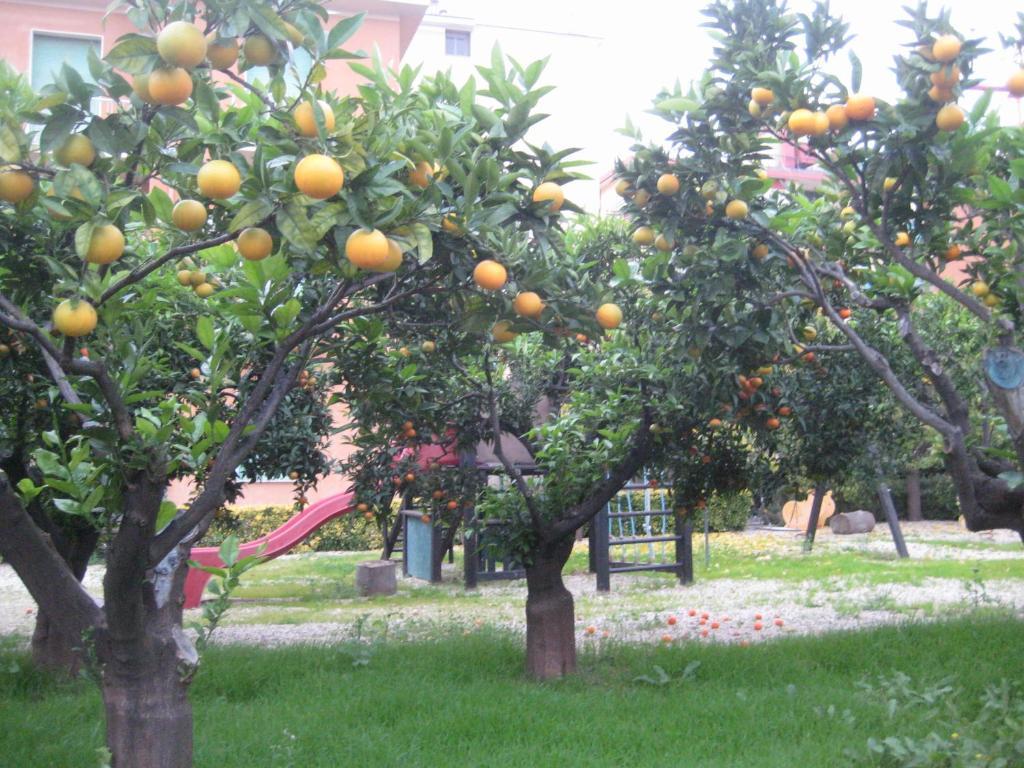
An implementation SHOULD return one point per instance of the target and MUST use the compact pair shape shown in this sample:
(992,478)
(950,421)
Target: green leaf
(424,240)
(250,214)
(63,119)
(168,509)
(83,238)
(204,332)
(344,29)
(229,550)
(132,53)
(677,104)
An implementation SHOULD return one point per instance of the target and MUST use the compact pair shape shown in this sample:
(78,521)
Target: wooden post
(684,550)
(470,556)
(885,496)
(914,495)
(601,564)
(812,522)
(707,538)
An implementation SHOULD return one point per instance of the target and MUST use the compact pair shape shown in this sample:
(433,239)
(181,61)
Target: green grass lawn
(463,700)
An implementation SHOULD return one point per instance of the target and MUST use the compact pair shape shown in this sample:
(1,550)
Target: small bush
(346,534)
(728,511)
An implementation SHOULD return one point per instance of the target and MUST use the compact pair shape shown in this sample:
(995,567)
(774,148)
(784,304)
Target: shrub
(347,534)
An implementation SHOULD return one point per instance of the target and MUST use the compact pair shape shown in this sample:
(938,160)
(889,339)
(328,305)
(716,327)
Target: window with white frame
(50,51)
(456,42)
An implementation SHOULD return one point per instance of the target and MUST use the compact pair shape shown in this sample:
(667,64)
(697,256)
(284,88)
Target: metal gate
(647,536)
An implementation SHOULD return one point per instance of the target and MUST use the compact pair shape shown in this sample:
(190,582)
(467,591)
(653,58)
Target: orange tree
(906,191)
(588,378)
(213,243)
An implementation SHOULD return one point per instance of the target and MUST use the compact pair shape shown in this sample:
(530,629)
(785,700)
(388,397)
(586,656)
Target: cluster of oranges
(491,275)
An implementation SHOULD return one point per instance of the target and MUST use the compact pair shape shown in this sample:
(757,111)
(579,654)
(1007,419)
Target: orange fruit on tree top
(393,260)
(946,77)
(305,118)
(949,118)
(106,245)
(188,215)
(643,236)
(902,239)
(204,290)
(801,122)
(259,50)
(169,87)
(367,248)
(1015,84)
(219,179)
(662,243)
(668,184)
(422,174)
(550,192)
(737,209)
(181,44)
(254,243)
(837,118)
(860,107)
(821,124)
(221,52)
(946,48)
(319,176)
(140,86)
(609,316)
(763,96)
(76,149)
(952,253)
(490,275)
(939,94)
(501,332)
(15,186)
(528,304)
(74,318)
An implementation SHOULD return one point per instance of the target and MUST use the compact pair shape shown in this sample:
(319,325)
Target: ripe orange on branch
(490,275)
(222,53)
(188,215)
(169,87)
(255,244)
(668,184)
(609,316)
(305,118)
(860,107)
(74,318)
(949,118)
(763,96)
(528,304)
(15,186)
(106,245)
(219,179)
(367,248)
(319,176)
(181,44)
(946,48)
(551,193)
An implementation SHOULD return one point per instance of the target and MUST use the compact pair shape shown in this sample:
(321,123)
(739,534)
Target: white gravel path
(638,609)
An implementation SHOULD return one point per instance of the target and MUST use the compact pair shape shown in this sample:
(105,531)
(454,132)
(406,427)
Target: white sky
(648,44)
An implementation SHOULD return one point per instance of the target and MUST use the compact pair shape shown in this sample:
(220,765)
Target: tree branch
(48,578)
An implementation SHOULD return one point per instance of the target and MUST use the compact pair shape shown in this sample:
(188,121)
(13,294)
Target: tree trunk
(812,521)
(149,716)
(52,648)
(914,496)
(148,661)
(550,615)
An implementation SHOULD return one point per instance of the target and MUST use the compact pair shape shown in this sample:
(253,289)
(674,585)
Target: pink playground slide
(276,543)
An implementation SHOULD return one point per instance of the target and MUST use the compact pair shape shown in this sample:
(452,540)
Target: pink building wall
(389,26)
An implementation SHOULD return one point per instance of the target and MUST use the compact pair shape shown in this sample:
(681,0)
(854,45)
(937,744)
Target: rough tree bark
(53,648)
(550,614)
(147,659)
